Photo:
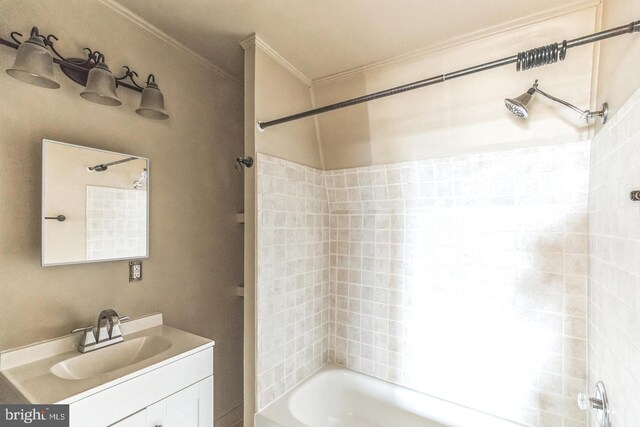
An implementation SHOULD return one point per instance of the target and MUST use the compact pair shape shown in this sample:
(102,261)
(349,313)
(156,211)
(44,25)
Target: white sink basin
(55,372)
(112,358)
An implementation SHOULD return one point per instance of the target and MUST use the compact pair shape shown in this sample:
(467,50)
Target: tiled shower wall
(461,277)
(465,278)
(292,275)
(614,264)
(116,223)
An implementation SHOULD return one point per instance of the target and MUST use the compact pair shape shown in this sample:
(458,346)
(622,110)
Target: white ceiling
(324,37)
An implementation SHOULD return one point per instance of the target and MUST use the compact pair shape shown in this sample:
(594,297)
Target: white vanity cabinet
(179,394)
(191,407)
(158,376)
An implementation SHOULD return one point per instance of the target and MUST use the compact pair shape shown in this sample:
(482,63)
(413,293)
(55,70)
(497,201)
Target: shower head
(520,106)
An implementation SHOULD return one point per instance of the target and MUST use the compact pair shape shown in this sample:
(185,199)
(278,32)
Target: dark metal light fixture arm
(49,44)
(130,75)
(13,37)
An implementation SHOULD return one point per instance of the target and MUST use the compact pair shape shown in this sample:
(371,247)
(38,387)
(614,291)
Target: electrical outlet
(135,271)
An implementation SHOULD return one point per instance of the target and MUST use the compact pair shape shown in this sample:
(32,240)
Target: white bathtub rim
(264,415)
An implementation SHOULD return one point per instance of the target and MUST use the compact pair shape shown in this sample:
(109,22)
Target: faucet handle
(105,324)
(115,331)
(88,338)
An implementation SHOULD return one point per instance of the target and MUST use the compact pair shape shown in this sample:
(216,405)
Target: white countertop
(26,371)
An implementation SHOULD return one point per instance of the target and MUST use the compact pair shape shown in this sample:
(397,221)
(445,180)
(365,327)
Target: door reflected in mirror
(95,205)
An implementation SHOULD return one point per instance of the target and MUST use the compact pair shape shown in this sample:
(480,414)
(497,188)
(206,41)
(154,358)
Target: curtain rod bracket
(243,161)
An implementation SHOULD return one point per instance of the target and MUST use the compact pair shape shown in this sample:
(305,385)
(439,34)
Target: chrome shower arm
(565,103)
(520,105)
(586,114)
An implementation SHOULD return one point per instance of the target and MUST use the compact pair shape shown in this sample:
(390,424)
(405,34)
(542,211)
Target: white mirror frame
(43,213)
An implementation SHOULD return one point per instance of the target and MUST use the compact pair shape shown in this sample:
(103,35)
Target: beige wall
(196,246)
(279,93)
(619,62)
(461,116)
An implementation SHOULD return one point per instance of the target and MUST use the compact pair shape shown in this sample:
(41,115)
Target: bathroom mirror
(95,205)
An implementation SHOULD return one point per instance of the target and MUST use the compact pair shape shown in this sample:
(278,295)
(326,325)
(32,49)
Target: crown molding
(465,38)
(249,41)
(255,40)
(157,32)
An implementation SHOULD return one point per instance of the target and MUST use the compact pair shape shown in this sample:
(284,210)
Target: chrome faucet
(107,333)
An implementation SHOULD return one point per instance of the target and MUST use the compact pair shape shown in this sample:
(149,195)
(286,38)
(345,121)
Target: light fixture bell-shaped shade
(101,86)
(34,63)
(152,101)
(520,105)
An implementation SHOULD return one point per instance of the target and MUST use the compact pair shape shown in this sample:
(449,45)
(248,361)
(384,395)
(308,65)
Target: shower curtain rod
(525,60)
(103,166)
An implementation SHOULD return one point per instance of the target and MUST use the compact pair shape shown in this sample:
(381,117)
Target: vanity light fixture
(101,85)
(152,101)
(34,65)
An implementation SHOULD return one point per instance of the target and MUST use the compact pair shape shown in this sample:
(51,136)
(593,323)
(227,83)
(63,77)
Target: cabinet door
(205,403)
(139,419)
(182,408)
(190,407)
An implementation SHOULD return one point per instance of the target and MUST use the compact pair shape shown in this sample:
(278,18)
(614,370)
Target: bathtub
(338,397)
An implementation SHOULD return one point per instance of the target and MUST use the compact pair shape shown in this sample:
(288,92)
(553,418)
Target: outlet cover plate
(135,270)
